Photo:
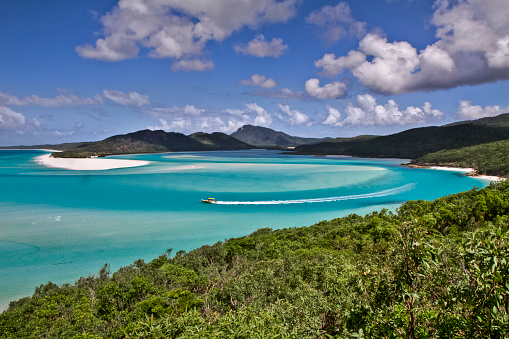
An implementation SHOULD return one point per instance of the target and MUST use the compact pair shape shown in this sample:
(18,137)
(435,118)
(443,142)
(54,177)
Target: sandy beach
(468,171)
(91,164)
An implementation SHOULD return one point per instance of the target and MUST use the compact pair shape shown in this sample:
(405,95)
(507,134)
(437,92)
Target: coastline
(89,164)
(471,172)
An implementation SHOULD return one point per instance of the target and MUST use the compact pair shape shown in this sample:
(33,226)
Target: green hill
(417,142)
(501,120)
(266,137)
(491,158)
(436,269)
(59,147)
(148,141)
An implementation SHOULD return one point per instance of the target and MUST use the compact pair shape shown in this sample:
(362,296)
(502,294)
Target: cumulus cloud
(330,91)
(468,111)
(295,117)
(10,120)
(15,122)
(261,48)
(333,117)
(262,117)
(134,99)
(336,23)
(189,118)
(260,81)
(192,65)
(178,29)
(366,112)
(58,101)
(471,48)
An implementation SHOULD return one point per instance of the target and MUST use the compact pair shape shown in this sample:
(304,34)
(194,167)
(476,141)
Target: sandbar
(89,164)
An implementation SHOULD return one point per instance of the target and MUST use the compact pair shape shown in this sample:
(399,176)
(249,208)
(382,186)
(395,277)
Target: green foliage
(154,142)
(434,269)
(414,143)
(490,158)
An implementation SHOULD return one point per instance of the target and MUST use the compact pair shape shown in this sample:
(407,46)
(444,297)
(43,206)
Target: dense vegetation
(58,147)
(148,141)
(266,137)
(435,269)
(413,143)
(491,158)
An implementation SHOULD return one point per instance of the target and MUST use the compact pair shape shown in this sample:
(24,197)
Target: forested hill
(266,137)
(415,143)
(436,269)
(490,158)
(148,141)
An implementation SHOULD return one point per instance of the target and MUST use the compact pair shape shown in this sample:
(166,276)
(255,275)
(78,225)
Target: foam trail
(383,193)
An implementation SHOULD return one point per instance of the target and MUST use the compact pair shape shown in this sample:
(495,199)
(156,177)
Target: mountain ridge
(416,142)
(148,141)
(266,137)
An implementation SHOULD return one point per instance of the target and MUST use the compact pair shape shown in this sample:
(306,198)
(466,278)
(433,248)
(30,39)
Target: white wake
(383,193)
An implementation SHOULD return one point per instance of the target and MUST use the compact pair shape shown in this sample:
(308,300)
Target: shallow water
(57,225)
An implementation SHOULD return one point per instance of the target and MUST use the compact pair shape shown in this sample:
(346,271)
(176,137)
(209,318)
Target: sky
(73,70)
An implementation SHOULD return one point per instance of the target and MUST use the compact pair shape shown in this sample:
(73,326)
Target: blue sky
(85,70)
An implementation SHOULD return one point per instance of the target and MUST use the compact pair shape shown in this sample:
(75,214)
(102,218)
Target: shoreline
(88,164)
(471,172)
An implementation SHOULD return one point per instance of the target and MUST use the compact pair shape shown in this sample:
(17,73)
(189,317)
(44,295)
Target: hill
(501,120)
(148,141)
(490,158)
(266,137)
(417,142)
(435,269)
(58,147)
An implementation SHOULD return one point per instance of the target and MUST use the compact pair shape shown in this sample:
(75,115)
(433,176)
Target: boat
(209,200)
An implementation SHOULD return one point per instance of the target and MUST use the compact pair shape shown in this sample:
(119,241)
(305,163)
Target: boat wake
(383,193)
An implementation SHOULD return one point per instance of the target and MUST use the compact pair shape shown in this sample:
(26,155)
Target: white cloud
(472,47)
(468,111)
(333,117)
(192,65)
(336,22)
(127,99)
(333,66)
(284,93)
(260,81)
(58,101)
(262,117)
(366,112)
(188,119)
(10,120)
(330,91)
(295,117)
(261,48)
(178,28)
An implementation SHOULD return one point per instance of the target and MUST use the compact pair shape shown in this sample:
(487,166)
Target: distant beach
(468,171)
(90,164)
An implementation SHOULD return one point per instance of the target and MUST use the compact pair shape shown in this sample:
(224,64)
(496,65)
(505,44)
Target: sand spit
(90,164)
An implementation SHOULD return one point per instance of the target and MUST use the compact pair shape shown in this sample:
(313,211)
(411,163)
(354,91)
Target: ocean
(57,225)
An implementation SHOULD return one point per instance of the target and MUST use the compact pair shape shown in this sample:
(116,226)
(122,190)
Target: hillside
(417,142)
(58,147)
(501,120)
(435,269)
(266,137)
(490,158)
(148,141)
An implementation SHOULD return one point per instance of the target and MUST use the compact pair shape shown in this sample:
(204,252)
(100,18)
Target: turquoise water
(57,225)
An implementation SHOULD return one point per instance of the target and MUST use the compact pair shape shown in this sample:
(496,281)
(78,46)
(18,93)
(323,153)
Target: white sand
(469,171)
(454,169)
(91,164)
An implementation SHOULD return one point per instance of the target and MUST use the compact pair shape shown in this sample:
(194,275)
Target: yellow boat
(209,200)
